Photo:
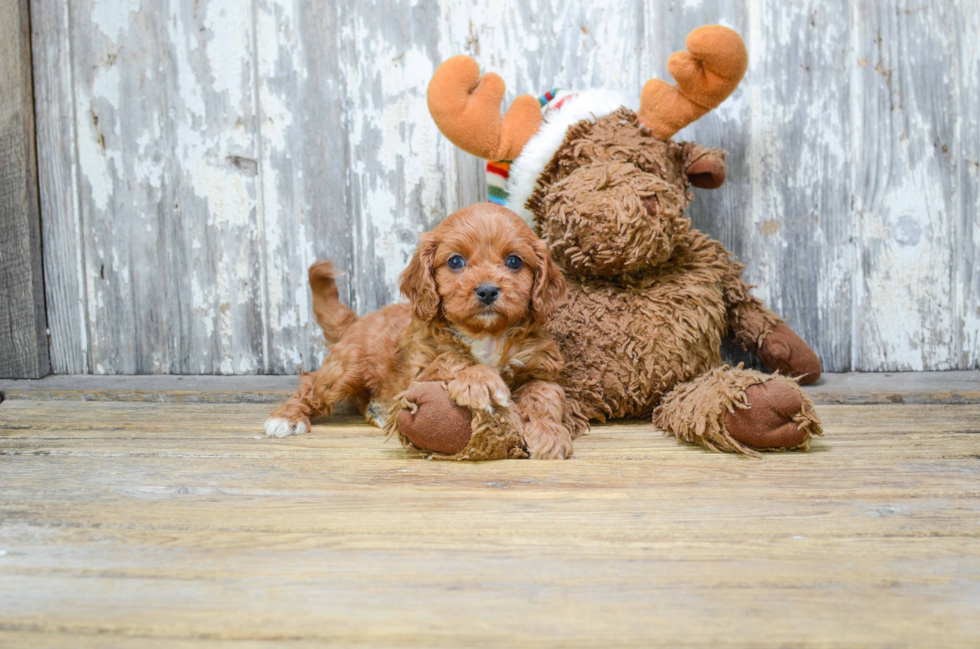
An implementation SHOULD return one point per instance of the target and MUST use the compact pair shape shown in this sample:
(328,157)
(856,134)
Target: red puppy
(480,287)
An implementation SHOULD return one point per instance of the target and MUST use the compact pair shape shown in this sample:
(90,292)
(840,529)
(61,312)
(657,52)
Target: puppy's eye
(456,262)
(514,262)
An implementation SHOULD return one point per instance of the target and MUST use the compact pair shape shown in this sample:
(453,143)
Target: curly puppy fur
(649,298)
(489,349)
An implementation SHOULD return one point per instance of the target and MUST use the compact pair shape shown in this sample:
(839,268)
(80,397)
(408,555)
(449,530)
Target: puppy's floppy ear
(548,290)
(418,281)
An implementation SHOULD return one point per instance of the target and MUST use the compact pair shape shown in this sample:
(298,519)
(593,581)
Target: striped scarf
(498,171)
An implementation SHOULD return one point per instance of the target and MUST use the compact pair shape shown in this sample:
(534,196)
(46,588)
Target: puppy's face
(484,273)
(483,270)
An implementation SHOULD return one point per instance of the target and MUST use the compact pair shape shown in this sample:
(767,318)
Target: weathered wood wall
(23,337)
(197,155)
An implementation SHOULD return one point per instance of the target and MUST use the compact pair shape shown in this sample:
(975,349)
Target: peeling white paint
(99,128)
(909,332)
(230,30)
(204,184)
(112,17)
(391,139)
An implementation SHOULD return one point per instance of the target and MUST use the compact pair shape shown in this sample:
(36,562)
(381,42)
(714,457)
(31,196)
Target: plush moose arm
(762,332)
(458,409)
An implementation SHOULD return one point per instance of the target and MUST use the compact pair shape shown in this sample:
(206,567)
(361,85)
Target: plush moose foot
(435,423)
(425,418)
(784,351)
(739,410)
(768,421)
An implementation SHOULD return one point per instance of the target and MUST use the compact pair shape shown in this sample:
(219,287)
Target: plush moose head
(598,176)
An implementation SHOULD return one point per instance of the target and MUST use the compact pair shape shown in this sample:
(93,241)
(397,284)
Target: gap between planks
(854,388)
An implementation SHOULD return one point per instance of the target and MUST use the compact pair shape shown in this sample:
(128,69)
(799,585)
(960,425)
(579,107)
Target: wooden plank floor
(144,524)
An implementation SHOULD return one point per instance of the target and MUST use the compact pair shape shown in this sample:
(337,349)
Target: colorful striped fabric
(497,173)
(548,96)
(499,170)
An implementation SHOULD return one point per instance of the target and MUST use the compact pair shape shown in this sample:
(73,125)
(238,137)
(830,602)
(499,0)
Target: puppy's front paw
(480,389)
(279,427)
(547,441)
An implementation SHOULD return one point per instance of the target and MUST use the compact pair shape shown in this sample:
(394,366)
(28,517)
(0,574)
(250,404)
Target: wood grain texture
(304,203)
(905,137)
(800,251)
(397,187)
(166,148)
(23,337)
(143,525)
(64,268)
(238,142)
(966,231)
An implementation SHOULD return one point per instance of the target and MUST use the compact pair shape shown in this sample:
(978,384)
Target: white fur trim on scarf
(538,152)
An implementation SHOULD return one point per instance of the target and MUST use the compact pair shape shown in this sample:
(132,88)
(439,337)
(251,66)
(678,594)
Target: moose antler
(466,108)
(706,73)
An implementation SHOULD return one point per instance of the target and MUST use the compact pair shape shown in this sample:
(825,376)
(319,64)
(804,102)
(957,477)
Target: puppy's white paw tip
(277,427)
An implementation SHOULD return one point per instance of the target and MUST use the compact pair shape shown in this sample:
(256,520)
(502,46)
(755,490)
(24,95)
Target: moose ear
(418,281)
(549,284)
(705,168)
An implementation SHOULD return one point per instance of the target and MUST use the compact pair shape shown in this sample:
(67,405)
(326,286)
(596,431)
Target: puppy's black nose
(487,293)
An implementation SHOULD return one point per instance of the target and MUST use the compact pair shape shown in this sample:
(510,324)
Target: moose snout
(608,218)
(487,293)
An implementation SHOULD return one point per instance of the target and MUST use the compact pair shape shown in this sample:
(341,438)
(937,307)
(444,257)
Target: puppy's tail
(334,317)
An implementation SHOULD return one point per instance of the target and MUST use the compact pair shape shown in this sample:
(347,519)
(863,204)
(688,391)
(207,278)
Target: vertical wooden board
(471,178)
(966,238)
(539,46)
(800,250)
(64,283)
(465,170)
(168,161)
(23,338)
(725,213)
(304,158)
(904,126)
(397,185)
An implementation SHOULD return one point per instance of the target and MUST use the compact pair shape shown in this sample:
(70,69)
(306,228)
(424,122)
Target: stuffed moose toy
(649,299)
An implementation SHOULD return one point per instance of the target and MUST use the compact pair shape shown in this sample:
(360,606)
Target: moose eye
(456,262)
(514,262)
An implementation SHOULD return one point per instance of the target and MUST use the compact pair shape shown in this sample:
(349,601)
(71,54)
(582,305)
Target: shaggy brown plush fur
(452,432)
(691,411)
(649,299)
